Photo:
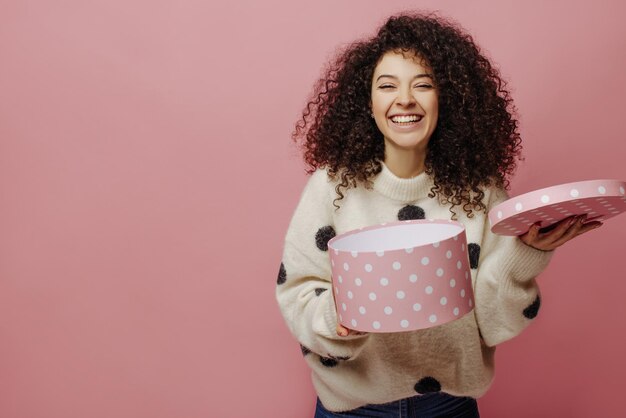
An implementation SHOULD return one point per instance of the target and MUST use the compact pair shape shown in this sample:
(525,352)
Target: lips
(406,119)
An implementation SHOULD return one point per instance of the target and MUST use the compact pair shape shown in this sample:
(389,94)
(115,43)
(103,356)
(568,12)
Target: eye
(423,86)
(386,86)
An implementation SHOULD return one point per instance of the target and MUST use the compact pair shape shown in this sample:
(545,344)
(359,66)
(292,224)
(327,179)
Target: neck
(404,163)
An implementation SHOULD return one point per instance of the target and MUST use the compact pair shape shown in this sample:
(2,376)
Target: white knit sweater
(457,357)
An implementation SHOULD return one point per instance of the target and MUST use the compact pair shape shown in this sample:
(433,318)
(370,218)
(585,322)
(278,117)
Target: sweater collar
(407,190)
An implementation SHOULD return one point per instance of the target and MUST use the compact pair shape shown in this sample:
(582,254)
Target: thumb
(532,234)
(342,331)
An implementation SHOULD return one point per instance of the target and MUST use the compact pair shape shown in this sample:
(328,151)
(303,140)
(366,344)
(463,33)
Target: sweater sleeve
(506,292)
(304,289)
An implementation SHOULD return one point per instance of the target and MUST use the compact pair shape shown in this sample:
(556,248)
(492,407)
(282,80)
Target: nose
(405,98)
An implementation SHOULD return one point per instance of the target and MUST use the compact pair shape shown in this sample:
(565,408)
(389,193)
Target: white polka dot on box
(599,199)
(401,276)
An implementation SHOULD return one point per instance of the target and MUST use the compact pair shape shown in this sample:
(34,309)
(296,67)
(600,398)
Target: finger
(572,232)
(589,226)
(549,238)
(531,236)
(533,231)
(342,331)
(543,238)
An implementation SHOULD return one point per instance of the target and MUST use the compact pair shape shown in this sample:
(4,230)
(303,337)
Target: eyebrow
(394,77)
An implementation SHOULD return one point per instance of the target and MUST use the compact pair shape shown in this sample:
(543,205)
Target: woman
(413,123)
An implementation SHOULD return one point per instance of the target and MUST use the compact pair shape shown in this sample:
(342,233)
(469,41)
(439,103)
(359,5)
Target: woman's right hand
(344,332)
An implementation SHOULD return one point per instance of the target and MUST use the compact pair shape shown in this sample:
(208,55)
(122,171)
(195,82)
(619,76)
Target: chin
(416,144)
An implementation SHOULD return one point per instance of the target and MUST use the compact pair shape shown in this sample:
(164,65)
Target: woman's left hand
(564,231)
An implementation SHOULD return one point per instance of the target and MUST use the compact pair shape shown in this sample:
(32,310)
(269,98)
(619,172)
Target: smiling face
(404,102)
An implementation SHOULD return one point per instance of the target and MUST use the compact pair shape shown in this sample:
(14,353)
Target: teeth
(408,118)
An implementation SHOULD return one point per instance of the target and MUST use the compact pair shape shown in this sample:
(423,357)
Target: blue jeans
(430,405)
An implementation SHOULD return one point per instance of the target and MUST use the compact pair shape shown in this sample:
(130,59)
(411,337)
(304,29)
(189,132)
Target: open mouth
(405,120)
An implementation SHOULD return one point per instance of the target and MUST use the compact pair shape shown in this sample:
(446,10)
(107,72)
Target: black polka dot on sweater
(282,274)
(328,362)
(323,235)
(304,350)
(474,254)
(410,212)
(319,291)
(533,309)
(427,385)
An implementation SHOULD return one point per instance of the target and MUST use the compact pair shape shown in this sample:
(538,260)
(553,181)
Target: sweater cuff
(330,316)
(331,319)
(524,262)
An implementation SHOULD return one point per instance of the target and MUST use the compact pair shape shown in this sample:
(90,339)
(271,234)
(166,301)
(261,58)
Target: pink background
(147,180)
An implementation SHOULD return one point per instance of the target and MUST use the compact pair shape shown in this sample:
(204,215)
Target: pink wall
(147,180)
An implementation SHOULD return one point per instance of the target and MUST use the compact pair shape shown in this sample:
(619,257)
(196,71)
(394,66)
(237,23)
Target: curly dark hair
(476,142)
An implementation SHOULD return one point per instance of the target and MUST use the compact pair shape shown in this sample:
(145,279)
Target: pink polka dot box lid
(599,199)
(401,276)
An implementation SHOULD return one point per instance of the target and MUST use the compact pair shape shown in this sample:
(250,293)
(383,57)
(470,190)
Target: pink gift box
(401,276)
(599,199)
